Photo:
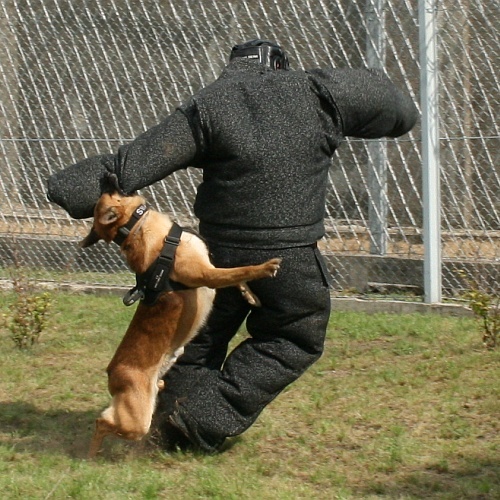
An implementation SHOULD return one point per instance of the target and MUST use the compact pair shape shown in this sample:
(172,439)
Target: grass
(402,407)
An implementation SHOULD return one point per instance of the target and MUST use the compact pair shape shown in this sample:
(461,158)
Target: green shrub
(27,316)
(485,305)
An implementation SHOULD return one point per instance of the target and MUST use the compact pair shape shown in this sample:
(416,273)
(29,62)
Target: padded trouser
(213,396)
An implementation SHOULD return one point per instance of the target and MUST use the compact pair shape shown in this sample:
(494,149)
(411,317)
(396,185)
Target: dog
(161,325)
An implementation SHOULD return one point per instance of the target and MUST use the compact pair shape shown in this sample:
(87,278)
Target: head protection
(263,51)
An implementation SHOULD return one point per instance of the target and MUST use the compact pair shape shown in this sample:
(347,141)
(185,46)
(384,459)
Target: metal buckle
(132,296)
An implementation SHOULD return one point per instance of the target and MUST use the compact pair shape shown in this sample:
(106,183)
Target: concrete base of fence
(58,254)
(358,273)
(339,304)
(397,307)
(369,273)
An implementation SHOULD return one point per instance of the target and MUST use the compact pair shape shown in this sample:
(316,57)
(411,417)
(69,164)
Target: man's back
(266,145)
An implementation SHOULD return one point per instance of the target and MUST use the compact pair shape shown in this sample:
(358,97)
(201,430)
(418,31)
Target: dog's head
(112,211)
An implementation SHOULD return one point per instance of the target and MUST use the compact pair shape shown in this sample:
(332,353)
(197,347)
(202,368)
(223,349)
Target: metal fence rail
(81,78)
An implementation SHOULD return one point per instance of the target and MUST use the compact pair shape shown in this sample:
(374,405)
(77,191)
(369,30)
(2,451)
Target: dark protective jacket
(264,139)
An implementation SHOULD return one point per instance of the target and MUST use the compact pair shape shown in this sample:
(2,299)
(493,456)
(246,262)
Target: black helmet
(265,52)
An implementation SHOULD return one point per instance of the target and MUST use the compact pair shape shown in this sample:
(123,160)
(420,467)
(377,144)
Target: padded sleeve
(161,150)
(369,104)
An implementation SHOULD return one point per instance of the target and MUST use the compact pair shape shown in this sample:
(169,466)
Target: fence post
(377,150)
(429,72)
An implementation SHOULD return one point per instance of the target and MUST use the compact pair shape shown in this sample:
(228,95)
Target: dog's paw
(273,266)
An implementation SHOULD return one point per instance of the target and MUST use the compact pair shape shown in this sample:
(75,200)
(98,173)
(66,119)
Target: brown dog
(157,331)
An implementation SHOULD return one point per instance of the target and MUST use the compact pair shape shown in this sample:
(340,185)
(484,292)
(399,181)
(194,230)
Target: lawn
(399,406)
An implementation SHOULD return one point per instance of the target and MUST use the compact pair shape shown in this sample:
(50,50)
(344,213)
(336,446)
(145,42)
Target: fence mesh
(81,78)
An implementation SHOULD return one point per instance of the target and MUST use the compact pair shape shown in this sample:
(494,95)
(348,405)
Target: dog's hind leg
(131,427)
(249,296)
(103,428)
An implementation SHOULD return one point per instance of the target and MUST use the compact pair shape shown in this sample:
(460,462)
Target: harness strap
(151,284)
(164,262)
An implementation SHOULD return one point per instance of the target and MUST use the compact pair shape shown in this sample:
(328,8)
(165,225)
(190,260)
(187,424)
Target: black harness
(155,280)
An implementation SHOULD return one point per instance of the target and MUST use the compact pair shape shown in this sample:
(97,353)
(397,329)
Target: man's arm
(161,150)
(369,104)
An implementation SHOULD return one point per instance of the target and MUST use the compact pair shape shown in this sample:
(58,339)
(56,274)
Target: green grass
(399,407)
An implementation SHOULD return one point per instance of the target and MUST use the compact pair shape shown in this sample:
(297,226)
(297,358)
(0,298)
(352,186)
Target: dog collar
(124,230)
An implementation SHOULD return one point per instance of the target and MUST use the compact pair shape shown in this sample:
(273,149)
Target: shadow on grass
(26,428)
(473,478)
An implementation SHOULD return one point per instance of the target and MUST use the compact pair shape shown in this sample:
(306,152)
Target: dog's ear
(109,216)
(91,239)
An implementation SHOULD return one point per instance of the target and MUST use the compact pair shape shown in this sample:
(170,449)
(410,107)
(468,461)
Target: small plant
(486,307)
(27,315)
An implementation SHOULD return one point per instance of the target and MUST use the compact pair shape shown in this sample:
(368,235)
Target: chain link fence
(81,78)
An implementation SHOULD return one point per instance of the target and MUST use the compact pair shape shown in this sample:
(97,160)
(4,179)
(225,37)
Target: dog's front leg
(216,277)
